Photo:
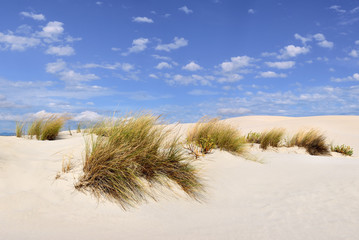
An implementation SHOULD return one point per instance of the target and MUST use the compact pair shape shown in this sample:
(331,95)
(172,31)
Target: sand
(292,195)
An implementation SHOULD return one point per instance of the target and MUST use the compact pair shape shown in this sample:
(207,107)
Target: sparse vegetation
(313,141)
(130,157)
(211,133)
(271,138)
(19,129)
(46,128)
(343,149)
(79,125)
(253,137)
(67,164)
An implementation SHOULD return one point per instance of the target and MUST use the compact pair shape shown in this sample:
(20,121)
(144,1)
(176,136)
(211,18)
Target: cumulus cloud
(354,53)
(233,111)
(161,57)
(117,65)
(201,92)
(281,65)
(194,79)
(60,50)
(163,65)
(153,76)
(39,17)
(192,66)
(236,63)
(322,41)
(17,43)
(142,20)
(293,51)
(355,77)
(87,116)
(185,9)
(251,11)
(230,78)
(55,67)
(177,43)
(138,45)
(357,42)
(52,30)
(270,74)
(99,3)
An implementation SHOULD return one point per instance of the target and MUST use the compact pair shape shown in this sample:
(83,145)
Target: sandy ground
(292,195)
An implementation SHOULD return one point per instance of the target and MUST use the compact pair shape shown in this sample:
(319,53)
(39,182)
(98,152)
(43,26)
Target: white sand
(291,196)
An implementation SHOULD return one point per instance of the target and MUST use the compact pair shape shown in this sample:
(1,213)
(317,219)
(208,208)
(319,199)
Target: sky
(184,59)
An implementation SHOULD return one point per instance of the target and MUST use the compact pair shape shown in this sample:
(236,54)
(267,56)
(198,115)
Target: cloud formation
(38,17)
(185,9)
(281,65)
(142,20)
(236,63)
(192,66)
(60,50)
(177,43)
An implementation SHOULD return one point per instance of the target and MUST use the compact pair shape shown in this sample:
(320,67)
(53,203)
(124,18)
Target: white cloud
(39,17)
(17,43)
(192,79)
(87,116)
(127,67)
(52,30)
(60,50)
(163,65)
(304,40)
(161,57)
(230,78)
(236,63)
(72,76)
(322,41)
(185,9)
(281,65)
(337,9)
(354,10)
(355,77)
(55,67)
(124,66)
(99,3)
(270,74)
(72,39)
(233,111)
(138,45)
(293,51)
(177,43)
(153,76)
(115,49)
(357,42)
(251,11)
(142,20)
(200,92)
(354,53)
(192,66)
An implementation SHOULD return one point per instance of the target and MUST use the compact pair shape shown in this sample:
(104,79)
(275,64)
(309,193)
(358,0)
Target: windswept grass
(130,157)
(35,128)
(271,138)
(211,133)
(343,149)
(47,128)
(253,137)
(19,129)
(313,141)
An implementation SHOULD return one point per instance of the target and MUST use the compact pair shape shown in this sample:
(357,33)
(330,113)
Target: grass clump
(211,133)
(19,129)
(253,137)
(46,128)
(131,156)
(271,138)
(343,149)
(313,141)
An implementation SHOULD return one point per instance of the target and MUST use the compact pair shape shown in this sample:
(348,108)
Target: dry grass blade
(51,127)
(132,153)
(35,129)
(19,129)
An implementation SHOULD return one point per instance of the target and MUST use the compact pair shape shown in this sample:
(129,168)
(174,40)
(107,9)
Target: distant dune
(291,195)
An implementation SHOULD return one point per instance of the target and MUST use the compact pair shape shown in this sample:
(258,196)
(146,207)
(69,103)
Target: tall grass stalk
(271,138)
(19,129)
(313,141)
(130,157)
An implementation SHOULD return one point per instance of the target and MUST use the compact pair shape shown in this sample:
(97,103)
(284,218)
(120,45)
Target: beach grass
(19,129)
(313,141)
(212,133)
(253,137)
(271,138)
(47,128)
(132,155)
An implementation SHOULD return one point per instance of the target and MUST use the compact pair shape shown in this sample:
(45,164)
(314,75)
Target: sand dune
(292,195)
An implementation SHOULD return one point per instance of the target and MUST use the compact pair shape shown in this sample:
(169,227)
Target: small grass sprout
(271,138)
(343,149)
(313,141)
(212,133)
(133,155)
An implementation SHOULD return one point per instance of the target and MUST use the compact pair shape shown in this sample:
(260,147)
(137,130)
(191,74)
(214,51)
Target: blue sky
(181,58)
